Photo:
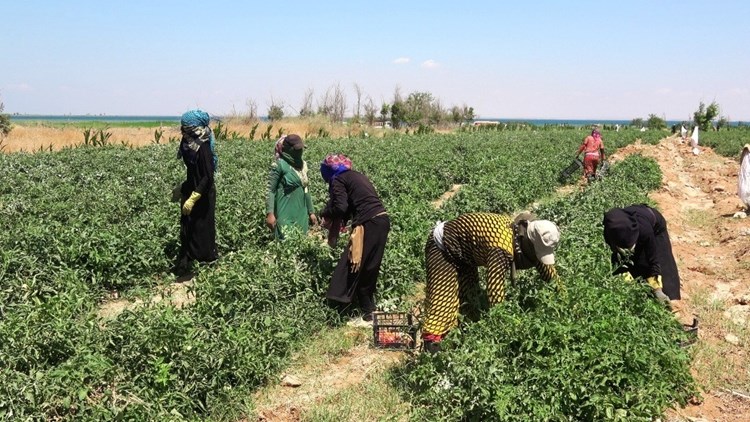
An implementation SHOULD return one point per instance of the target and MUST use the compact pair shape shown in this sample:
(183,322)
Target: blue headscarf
(200,119)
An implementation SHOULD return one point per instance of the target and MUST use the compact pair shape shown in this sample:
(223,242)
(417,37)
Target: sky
(507,59)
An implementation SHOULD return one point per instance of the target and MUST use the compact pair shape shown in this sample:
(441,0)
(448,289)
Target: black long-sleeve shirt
(200,174)
(352,196)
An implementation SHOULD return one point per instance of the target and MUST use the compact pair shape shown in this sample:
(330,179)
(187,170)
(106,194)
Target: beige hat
(545,236)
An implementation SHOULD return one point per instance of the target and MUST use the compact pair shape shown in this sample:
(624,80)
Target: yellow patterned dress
(470,241)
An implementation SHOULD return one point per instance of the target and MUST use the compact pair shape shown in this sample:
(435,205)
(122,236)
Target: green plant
(253,130)
(704,116)
(267,134)
(158,134)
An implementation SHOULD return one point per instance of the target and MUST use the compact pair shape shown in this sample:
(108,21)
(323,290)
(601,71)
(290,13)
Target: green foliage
(655,122)
(704,116)
(253,130)
(600,349)
(275,112)
(96,138)
(728,141)
(5,127)
(637,122)
(81,222)
(158,134)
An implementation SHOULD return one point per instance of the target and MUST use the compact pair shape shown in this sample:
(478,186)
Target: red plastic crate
(394,330)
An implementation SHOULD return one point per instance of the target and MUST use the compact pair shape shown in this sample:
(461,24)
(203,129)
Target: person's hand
(187,207)
(626,276)
(271,221)
(313,219)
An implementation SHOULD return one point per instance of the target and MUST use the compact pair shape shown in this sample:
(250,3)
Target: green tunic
(288,198)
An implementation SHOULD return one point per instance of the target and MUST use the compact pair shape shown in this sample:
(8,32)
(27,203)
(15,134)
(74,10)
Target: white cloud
(22,87)
(430,64)
(402,60)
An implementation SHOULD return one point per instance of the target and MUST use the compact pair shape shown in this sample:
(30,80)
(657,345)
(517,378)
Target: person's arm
(338,205)
(205,169)
(601,150)
(652,257)
(547,272)
(498,264)
(274,176)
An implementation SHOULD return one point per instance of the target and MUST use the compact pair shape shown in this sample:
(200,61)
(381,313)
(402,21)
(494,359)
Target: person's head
(333,165)
(545,236)
(620,229)
(596,134)
(745,150)
(290,148)
(194,123)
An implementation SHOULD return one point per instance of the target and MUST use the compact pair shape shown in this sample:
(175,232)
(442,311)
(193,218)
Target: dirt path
(698,199)
(315,377)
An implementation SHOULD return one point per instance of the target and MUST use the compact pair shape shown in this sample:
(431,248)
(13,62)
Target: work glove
(661,297)
(655,282)
(626,276)
(187,207)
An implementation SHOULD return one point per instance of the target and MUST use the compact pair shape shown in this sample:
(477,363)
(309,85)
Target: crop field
(82,225)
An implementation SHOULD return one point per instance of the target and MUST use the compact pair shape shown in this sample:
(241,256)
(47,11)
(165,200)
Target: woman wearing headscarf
(638,238)
(353,197)
(288,202)
(454,251)
(593,149)
(197,192)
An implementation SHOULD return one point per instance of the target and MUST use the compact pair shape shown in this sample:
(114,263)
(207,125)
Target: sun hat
(545,236)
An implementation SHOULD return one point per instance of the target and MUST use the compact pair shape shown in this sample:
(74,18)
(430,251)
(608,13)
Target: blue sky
(509,59)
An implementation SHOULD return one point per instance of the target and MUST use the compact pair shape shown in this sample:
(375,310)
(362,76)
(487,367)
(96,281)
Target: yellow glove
(187,207)
(626,276)
(654,282)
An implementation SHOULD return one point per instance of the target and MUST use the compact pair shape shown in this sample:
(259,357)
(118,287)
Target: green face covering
(293,157)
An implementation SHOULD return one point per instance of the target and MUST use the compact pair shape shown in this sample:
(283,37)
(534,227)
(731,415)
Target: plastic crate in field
(393,330)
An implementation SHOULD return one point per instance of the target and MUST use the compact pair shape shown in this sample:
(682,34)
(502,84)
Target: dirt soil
(698,198)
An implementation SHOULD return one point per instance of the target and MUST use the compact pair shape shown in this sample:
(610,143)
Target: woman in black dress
(198,194)
(353,197)
(641,248)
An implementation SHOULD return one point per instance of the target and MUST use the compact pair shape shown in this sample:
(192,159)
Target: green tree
(385,112)
(275,112)
(4,121)
(656,122)
(705,115)
(398,114)
(637,122)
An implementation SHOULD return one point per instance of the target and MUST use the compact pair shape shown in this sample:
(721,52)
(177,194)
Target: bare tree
(358,93)
(370,111)
(333,103)
(252,109)
(307,107)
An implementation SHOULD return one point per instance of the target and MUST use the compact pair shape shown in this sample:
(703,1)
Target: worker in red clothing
(593,149)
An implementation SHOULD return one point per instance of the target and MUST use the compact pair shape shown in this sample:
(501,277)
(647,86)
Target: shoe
(359,323)
(431,347)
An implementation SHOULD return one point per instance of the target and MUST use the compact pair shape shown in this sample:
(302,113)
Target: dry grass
(35,137)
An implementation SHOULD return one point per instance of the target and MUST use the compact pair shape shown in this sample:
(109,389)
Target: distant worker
(454,251)
(744,177)
(353,197)
(288,201)
(593,149)
(197,194)
(638,238)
